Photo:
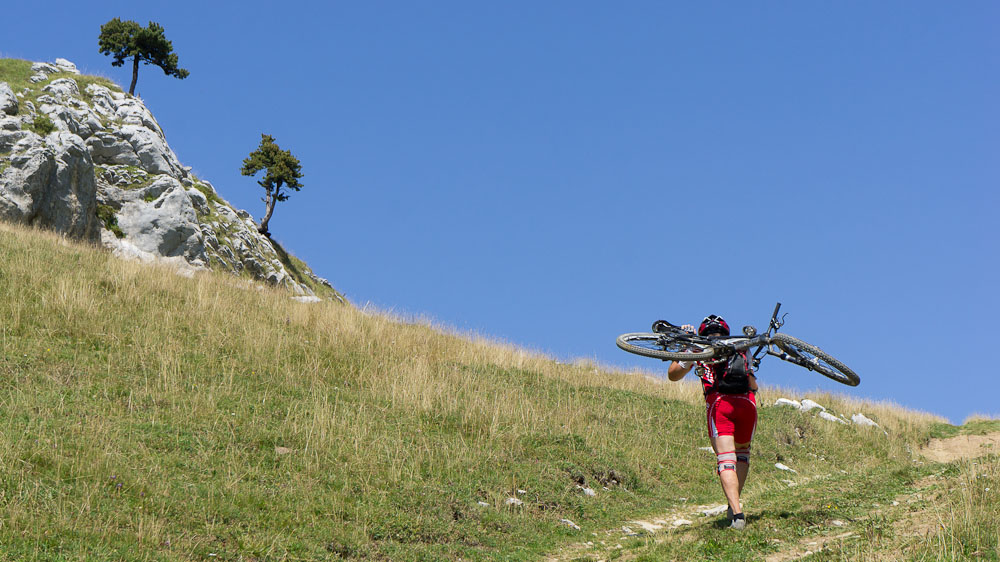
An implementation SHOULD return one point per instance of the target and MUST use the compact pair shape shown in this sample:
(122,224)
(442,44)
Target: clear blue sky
(553,174)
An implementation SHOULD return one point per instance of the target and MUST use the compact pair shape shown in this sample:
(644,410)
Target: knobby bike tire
(660,346)
(815,359)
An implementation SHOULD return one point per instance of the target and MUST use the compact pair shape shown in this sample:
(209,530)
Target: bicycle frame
(669,342)
(728,345)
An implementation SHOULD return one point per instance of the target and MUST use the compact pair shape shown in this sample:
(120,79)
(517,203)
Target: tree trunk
(135,75)
(267,216)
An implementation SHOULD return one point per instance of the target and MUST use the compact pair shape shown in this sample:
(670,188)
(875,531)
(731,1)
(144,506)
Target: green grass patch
(208,192)
(16,73)
(109,218)
(301,273)
(972,427)
(84,80)
(42,125)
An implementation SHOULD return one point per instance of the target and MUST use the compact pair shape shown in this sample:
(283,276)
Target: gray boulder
(152,150)
(10,132)
(159,219)
(104,100)
(66,66)
(63,88)
(50,183)
(8,101)
(42,70)
(109,148)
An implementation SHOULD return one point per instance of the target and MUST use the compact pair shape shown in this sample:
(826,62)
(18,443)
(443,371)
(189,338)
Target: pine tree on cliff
(283,170)
(127,39)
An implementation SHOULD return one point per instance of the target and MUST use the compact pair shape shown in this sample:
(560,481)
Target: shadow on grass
(286,260)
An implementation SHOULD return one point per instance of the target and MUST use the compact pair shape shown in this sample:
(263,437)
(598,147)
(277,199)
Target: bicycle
(672,343)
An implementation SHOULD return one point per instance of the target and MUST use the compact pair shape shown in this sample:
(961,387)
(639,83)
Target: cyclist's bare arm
(678,369)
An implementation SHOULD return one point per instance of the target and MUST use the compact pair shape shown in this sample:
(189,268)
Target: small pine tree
(283,170)
(125,39)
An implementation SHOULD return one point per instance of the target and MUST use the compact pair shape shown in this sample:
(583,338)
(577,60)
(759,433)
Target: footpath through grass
(920,511)
(147,416)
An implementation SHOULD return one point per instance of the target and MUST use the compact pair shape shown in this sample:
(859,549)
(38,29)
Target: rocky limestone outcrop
(8,101)
(102,171)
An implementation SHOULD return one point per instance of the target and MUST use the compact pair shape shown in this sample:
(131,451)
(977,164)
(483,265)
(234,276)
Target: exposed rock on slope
(90,161)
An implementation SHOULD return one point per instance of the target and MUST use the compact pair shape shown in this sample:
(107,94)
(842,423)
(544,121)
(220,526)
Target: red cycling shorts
(732,414)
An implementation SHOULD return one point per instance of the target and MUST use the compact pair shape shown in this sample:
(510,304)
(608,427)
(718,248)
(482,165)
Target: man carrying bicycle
(729,386)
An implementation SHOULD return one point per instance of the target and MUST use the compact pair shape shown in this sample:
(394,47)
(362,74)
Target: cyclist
(732,415)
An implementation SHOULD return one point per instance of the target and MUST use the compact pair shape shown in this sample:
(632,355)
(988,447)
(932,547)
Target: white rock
(861,419)
(647,526)
(780,466)
(837,523)
(308,299)
(681,522)
(514,501)
(787,402)
(484,504)
(102,99)
(808,404)
(629,532)
(8,101)
(108,148)
(67,117)
(154,154)
(830,417)
(50,183)
(569,523)
(66,66)
(587,491)
(44,68)
(522,492)
(713,511)
(63,88)
(161,219)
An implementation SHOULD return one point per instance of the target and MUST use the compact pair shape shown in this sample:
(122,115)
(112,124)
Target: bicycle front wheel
(662,346)
(815,359)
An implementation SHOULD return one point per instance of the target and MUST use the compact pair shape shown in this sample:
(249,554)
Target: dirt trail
(914,523)
(675,522)
(961,447)
(679,520)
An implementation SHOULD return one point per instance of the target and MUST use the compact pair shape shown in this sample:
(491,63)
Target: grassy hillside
(147,416)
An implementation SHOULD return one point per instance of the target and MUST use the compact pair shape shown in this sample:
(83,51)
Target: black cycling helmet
(713,325)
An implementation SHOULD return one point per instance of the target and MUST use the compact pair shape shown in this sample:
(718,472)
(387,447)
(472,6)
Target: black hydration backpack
(732,376)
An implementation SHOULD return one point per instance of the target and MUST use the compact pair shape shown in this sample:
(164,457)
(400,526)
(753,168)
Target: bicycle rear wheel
(663,346)
(815,359)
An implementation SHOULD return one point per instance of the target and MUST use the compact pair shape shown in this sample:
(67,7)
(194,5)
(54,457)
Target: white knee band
(727,461)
